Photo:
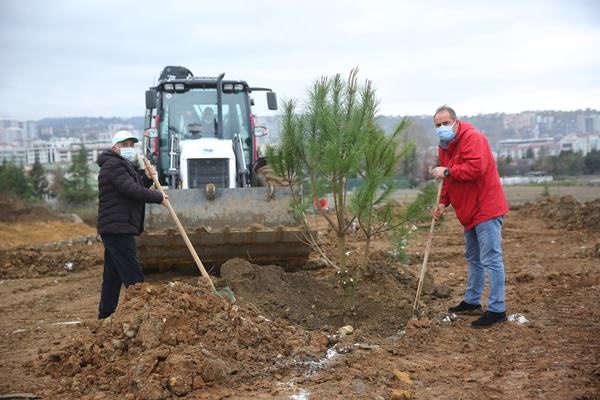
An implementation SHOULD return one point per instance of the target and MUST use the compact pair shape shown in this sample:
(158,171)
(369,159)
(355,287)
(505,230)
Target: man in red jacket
(472,186)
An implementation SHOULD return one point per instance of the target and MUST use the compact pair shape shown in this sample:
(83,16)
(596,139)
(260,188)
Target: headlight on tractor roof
(179,87)
(169,87)
(228,87)
(238,87)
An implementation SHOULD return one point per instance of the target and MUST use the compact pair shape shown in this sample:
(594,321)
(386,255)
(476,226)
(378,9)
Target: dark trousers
(121,266)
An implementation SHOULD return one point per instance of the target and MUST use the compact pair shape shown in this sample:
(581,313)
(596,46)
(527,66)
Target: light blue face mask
(128,153)
(445,133)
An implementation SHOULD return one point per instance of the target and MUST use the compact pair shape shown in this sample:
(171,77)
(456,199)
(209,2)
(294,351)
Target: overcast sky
(92,58)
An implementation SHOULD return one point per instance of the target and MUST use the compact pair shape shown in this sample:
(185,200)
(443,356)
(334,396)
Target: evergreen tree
(503,164)
(38,180)
(592,162)
(569,163)
(529,154)
(58,183)
(322,148)
(410,165)
(77,189)
(14,180)
(371,202)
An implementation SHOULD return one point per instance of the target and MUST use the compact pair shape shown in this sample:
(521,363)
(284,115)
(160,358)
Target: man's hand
(438,211)
(165,199)
(150,171)
(438,172)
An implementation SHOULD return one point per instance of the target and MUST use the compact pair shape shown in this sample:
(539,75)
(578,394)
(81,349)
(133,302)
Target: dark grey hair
(446,107)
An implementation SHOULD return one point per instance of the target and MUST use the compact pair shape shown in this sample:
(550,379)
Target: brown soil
(14,209)
(176,339)
(55,259)
(566,212)
(171,338)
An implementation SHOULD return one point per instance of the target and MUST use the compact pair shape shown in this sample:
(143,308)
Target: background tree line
(71,188)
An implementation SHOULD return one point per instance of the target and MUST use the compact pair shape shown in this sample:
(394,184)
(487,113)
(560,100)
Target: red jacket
(473,187)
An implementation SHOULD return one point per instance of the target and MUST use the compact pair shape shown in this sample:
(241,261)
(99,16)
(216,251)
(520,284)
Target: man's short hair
(446,107)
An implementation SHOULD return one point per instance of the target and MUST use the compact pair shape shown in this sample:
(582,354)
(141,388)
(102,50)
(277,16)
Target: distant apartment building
(547,146)
(57,150)
(47,130)
(62,150)
(580,143)
(12,134)
(521,148)
(12,131)
(588,123)
(522,122)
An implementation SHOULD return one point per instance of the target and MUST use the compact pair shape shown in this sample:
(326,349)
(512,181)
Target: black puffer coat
(122,194)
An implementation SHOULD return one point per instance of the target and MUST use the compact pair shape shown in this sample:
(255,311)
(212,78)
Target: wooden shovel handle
(427,247)
(188,243)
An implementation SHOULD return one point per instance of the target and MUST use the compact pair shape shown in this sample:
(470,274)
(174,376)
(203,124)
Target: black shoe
(488,319)
(466,308)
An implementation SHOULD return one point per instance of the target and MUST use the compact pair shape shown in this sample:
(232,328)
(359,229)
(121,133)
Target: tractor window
(192,114)
(195,114)
(236,121)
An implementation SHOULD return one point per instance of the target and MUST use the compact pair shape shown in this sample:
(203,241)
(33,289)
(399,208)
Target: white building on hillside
(519,148)
(61,150)
(580,143)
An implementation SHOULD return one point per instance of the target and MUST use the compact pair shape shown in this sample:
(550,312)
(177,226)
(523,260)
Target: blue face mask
(128,153)
(445,133)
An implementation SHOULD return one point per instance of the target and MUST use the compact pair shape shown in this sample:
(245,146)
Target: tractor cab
(208,120)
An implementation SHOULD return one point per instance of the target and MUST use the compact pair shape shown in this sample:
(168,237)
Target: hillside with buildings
(526,135)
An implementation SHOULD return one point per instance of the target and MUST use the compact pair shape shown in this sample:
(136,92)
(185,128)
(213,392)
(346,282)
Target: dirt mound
(315,300)
(14,209)
(56,259)
(566,212)
(36,233)
(172,340)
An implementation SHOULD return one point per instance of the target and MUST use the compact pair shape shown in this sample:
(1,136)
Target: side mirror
(260,131)
(152,133)
(151,99)
(272,100)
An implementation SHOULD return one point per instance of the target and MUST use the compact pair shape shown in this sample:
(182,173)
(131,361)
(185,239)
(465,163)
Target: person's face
(443,119)
(124,143)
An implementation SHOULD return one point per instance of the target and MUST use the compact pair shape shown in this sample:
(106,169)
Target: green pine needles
(333,139)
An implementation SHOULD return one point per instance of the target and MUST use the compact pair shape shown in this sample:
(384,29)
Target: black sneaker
(488,319)
(466,308)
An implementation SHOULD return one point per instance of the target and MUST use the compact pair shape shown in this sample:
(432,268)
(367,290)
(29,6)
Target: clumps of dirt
(566,212)
(172,340)
(55,259)
(14,209)
(315,300)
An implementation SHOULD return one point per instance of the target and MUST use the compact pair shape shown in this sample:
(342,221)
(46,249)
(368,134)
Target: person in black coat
(122,194)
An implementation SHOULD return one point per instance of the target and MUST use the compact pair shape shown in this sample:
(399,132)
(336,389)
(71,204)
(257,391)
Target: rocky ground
(286,337)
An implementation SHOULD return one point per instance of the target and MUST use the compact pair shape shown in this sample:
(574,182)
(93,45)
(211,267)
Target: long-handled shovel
(227,292)
(426,257)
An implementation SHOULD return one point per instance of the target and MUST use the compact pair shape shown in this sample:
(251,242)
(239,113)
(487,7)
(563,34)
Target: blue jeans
(483,251)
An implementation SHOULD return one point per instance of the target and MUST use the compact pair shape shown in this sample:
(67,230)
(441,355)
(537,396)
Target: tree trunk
(363,266)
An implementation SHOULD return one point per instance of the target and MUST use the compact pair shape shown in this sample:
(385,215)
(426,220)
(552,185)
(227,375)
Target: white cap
(121,136)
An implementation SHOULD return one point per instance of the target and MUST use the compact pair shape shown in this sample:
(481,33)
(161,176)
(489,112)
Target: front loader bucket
(251,223)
